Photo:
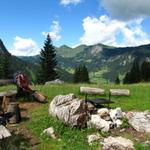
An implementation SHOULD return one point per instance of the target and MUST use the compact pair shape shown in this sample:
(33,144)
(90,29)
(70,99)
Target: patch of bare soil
(130,133)
(20,129)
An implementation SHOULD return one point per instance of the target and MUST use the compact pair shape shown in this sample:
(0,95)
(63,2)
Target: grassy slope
(75,139)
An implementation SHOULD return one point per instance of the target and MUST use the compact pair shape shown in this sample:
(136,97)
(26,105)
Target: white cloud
(54,33)
(68,2)
(113,32)
(24,47)
(127,9)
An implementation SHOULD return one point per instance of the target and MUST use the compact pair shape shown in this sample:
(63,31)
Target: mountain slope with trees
(102,61)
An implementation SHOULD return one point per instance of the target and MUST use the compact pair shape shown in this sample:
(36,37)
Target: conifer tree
(134,75)
(117,81)
(48,63)
(81,75)
(145,71)
(5,67)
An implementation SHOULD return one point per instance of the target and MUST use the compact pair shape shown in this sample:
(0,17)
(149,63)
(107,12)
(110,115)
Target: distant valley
(104,63)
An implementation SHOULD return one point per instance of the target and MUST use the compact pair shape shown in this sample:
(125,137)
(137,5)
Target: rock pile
(76,112)
(106,119)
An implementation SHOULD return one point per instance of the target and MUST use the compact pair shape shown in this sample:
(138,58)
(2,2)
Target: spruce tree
(126,78)
(135,73)
(48,63)
(5,67)
(117,81)
(145,71)
(85,74)
(81,74)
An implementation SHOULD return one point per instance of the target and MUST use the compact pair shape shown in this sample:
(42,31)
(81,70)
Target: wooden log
(6,81)
(90,90)
(6,101)
(119,92)
(8,93)
(4,133)
(14,108)
(39,97)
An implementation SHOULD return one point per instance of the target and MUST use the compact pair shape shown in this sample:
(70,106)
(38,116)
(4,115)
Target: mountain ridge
(103,62)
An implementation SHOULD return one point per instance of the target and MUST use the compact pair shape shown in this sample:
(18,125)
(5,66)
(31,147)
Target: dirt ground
(20,129)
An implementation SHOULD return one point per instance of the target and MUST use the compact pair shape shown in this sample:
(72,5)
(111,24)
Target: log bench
(97,102)
(7,97)
(119,92)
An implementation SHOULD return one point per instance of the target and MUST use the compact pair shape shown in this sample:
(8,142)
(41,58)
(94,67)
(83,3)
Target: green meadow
(73,138)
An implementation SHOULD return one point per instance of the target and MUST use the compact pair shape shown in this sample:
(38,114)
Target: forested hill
(102,61)
(10,64)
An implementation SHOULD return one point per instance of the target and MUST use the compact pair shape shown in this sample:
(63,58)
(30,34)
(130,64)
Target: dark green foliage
(47,68)
(138,72)
(81,75)
(125,123)
(5,67)
(145,71)
(134,76)
(117,81)
(126,78)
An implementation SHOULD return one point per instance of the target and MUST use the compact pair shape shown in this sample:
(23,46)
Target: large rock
(4,133)
(117,143)
(116,114)
(99,123)
(69,109)
(140,121)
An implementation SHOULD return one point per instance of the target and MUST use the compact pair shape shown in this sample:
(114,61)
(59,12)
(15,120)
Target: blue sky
(25,23)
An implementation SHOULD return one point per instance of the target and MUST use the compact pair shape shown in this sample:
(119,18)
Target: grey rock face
(117,143)
(140,121)
(69,109)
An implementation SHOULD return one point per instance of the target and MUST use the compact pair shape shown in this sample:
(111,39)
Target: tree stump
(13,107)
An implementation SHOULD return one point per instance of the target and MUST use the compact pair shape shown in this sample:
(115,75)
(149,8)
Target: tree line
(47,69)
(138,72)
(5,67)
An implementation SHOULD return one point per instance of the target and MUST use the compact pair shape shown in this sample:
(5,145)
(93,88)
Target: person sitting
(22,83)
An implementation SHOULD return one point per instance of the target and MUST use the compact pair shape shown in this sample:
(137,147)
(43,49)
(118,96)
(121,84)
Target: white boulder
(116,114)
(69,109)
(117,143)
(97,122)
(140,121)
(103,112)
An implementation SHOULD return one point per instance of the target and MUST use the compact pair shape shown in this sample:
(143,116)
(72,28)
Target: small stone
(103,112)
(50,132)
(93,137)
(122,130)
(118,123)
(116,114)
